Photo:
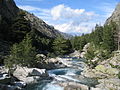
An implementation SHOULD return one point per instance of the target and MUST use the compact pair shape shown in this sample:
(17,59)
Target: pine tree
(20,27)
(22,54)
(61,46)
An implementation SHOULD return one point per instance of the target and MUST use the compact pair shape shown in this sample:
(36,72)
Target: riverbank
(106,72)
(23,76)
(69,73)
(67,78)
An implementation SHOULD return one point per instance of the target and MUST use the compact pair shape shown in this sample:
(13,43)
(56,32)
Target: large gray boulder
(29,75)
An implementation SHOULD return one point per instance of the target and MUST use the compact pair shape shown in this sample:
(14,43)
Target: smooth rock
(29,75)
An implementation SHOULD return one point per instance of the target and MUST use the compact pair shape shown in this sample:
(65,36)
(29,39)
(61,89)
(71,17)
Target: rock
(115,17)
(112,71)
(29,75)
(38,72)
(41,56)
(101,68)
(109,84)
(82,54)
(9,87)
(5,80)
(85,48)
(108,71)
(20,84)
(75,54)
(74,86)
(96,88)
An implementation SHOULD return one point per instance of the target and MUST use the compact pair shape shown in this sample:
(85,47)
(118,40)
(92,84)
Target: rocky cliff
(115,17)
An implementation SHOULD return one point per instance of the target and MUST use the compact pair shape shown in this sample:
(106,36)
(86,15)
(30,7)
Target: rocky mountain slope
(9,10)
(115,17)
(8,13)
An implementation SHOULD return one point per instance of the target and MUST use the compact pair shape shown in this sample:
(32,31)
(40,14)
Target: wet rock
(29,75)
(9,87)
(38,72)
(20,84)
(5,79)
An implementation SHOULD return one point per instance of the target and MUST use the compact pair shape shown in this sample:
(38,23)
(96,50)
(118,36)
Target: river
(64,75)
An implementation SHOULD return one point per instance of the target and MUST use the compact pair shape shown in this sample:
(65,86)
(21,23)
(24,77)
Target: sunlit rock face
(115,17)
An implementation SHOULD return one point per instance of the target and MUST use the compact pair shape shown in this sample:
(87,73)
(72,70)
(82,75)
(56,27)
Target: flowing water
(71,74)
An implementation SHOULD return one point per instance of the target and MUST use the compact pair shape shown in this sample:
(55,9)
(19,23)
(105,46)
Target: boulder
(101,68)
(38,72)
(75,54)
(40,56)
(29,75)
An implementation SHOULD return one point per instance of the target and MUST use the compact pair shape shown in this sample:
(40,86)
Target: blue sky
(70,16)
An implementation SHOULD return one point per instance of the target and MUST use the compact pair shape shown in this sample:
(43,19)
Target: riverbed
(70,74)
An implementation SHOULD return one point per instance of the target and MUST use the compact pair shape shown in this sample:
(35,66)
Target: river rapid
(64,75)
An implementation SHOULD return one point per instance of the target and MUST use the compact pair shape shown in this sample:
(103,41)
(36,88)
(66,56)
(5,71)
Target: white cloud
(85,27)
(62,11)
(73,20)
(66,19)
(65,12)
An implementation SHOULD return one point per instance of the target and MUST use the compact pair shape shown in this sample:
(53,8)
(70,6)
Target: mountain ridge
(9,11)
(115,17)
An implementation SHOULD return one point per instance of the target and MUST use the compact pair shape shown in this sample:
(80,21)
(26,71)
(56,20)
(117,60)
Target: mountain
(45,29)
(43,35)
(9,10)
(115,17)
